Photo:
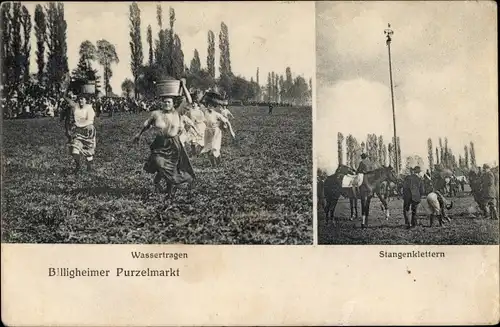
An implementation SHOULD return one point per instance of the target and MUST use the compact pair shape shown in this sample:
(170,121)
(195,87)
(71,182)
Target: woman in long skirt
(168,159)
(213,134)
(80,131)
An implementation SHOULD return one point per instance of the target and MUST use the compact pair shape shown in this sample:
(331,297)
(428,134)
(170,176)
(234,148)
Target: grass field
(463,228)
(261,195)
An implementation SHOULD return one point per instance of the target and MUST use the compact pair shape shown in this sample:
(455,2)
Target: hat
(486,166)
(416,169)
(364,156)
(213,99)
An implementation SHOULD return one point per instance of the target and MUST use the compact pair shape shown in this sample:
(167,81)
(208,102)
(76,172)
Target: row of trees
(443,156)
(380,153)
(51,48)
(383,154)
(287,89)
(166,58)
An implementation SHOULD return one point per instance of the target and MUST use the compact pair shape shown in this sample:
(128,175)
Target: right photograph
(406,124)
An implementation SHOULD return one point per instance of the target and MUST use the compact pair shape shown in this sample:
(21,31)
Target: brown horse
(372,181)
(333,189)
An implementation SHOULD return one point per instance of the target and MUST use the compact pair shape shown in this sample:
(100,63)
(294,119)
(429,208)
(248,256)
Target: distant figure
(270,108)
(413,188)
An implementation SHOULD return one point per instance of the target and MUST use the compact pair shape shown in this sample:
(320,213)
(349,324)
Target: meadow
(465,228)
(262,193)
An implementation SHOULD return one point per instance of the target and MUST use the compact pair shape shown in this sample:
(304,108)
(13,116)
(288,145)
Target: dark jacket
(365,166)
(413,188)
(488,185)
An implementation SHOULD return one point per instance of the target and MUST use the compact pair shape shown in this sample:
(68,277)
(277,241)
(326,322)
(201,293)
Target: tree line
(443,157)
(164,57)
(380,153)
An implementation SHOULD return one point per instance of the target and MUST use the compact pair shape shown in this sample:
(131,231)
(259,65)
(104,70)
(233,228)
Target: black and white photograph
(406,127)
(157,122)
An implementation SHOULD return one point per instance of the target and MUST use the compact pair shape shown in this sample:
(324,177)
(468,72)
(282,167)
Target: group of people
(196,125)
(484,189)
(484,185)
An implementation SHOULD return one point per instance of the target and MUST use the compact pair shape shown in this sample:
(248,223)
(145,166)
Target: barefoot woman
(80,130)
(168,159)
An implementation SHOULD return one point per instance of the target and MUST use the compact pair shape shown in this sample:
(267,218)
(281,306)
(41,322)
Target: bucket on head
(170,87)
(88,87)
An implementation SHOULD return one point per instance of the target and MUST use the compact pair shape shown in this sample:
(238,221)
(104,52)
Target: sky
(444,64)
(271,35)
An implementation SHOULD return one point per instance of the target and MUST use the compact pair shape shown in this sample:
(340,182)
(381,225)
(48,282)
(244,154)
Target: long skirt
(83,141)
(195,138)
(168,158)
(212,141)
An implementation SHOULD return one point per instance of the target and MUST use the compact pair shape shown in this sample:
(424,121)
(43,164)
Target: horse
(370,186)
(332,189)
(391,189)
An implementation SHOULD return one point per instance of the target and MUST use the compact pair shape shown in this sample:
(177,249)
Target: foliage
(211,54)
(106,55)
(128,87)
(150,44)
(136,55)
(57,60)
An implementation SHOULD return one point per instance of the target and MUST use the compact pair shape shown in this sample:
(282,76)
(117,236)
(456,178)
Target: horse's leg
(368,200)
(327,208)
(333,205)
(385,206)
(356,207)
(363,211)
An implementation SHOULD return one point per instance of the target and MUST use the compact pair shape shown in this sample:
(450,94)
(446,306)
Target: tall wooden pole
(389,32)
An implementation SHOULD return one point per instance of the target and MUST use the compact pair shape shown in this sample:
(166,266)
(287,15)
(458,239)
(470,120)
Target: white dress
(198,118)
(213,133)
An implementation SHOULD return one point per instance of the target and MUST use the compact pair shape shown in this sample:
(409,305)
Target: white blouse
(84,116)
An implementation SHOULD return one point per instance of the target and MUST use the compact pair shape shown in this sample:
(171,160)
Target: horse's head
(390,174)
(343,169)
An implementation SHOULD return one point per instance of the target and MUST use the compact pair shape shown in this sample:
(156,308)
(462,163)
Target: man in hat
(489,192)
(413,188)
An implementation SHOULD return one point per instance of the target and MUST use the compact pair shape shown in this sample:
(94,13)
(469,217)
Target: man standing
(489,192)
(413,188)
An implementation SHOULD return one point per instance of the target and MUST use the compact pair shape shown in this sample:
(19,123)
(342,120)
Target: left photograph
(156,123)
